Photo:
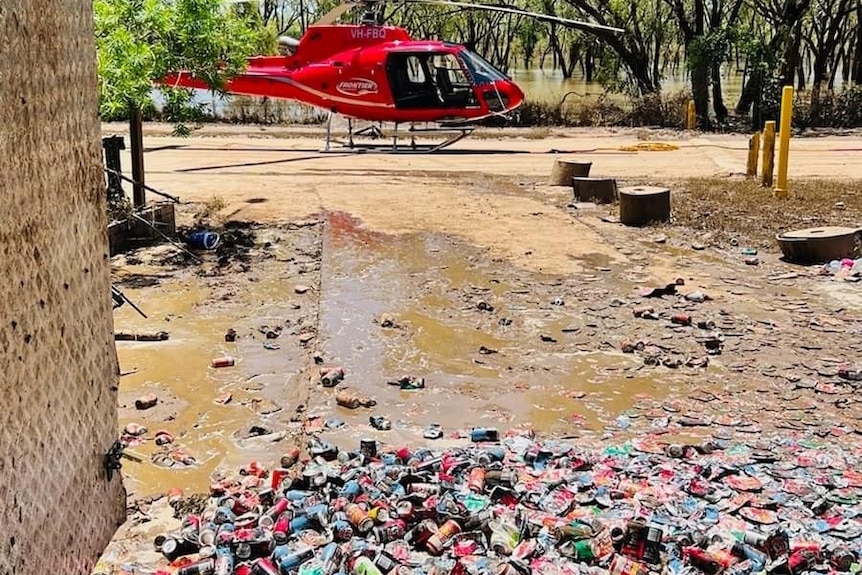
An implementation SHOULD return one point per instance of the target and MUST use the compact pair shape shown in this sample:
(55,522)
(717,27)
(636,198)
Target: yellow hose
(650,147)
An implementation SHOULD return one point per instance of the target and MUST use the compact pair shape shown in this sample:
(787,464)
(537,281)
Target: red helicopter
(378,73)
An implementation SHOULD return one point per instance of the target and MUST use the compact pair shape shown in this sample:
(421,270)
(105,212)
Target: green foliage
(842,110)
(708,49)
(139,42)
(653,109)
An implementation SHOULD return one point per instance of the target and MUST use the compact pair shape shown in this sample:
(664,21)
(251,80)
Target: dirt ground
(465,271)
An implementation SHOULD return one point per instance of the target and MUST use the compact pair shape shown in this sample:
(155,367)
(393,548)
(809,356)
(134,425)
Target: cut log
(564,170)
(819,245)
(158,336)
(640,205)
(598,190)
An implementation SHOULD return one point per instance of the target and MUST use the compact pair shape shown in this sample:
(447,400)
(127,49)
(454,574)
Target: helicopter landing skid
(398,144)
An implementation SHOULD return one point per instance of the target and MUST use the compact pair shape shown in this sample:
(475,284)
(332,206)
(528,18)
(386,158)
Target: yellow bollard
(768,152)
(781,189)
(691,117)
(753,153)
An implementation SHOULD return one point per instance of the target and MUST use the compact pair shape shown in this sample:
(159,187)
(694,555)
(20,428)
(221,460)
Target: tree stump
(640,205)
(564,170)
(598,190)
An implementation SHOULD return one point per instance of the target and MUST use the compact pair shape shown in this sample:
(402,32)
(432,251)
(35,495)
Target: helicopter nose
(503,96)
(516,95)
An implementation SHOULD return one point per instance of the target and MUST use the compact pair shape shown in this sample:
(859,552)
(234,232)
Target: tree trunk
(700,93)
(717,97)
(846,64)
(791,56)
(756,86)
(136,137)
(589,66)
(857,53)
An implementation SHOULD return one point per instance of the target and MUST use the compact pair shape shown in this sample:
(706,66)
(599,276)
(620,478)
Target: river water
(550,86)
(539,85)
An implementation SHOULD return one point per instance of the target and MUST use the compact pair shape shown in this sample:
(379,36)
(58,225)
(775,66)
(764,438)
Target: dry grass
(724,211)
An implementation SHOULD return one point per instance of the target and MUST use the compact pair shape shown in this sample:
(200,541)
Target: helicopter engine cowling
(287,45)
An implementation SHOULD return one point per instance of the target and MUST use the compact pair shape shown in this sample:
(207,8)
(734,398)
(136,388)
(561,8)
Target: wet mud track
(587,355)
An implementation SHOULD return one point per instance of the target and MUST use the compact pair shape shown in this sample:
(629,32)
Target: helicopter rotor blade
(588,26)
(336,13)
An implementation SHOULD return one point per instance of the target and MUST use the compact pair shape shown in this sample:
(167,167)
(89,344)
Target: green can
(584,550)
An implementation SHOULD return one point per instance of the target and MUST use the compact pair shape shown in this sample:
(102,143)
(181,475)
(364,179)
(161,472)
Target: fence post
(781,189)
(753,153)
(768,152)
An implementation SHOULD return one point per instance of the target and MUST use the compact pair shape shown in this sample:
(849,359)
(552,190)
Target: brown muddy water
(488,340)
(495,345)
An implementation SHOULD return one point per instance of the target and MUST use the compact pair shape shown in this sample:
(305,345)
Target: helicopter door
(413,82)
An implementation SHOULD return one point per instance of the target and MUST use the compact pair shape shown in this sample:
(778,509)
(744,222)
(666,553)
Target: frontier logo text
(357,87)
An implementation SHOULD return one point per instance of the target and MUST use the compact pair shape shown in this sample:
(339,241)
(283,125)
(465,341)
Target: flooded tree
(140,42)
(638,52)
(827,32)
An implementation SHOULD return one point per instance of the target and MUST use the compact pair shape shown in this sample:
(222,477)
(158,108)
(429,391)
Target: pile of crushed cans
(514,505)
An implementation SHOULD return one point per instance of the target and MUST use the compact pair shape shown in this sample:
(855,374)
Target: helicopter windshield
(481,70)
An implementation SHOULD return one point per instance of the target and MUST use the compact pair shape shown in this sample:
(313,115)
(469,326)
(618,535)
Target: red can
(277,476)
(290,458)
(226,361)
(264,566)
(403,453)
(281,528)
(419,535)
(634,541)
(681,319)
(476,481)
(269,517)
(437,542)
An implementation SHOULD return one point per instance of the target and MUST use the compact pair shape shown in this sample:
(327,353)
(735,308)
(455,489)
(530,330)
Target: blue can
(224,515)
(316,508)
(297,495)
(204,240)
(295,559)
(350,489)
(332,556)
(280,552)
(224,563)
(342,530)
(318,513)
(226,527)
(478,434)
(297,524)
(496,453)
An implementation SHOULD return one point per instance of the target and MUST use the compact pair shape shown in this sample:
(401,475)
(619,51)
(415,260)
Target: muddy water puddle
(494,346)
(210,411)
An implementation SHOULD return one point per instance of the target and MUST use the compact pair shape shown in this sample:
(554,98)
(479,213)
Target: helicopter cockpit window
(481,70)
(429,80)
(453,85)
